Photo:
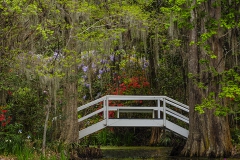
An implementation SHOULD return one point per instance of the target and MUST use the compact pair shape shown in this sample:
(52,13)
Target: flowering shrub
(127,86)
(130,86)
(9,138)
(4,117)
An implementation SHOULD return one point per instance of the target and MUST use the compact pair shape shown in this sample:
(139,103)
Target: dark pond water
(147,153)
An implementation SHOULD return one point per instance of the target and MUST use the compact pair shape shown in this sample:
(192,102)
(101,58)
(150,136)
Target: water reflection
(146,153)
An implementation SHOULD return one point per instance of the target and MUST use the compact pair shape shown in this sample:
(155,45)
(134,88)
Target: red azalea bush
(127,86)
(4,117)
(130,86)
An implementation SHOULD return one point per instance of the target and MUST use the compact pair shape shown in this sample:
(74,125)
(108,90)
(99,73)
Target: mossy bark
(69,125)
(209,135)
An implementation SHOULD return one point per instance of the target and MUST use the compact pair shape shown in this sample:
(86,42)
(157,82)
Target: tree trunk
(69,125)
(47,107)
(209,135)
(157,132)
(69,128)
(2,97)
(156,135)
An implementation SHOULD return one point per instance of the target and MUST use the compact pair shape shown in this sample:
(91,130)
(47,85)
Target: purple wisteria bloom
(55,54)
(80,66)
(84,97)
(93,65)
(112,57)
(85,68)
(145,64)
(84,77)
(103,61)
(87,85)
(101,71)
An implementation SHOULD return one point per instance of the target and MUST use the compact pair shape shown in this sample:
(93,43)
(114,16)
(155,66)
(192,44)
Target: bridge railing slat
(91,103)
(176,105)
(176,102)
(90,115)
(114,108)
(177,115)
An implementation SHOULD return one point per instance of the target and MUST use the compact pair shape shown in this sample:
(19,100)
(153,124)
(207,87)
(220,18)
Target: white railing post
(158,104)
(164,112)
(106,111)
(104,108)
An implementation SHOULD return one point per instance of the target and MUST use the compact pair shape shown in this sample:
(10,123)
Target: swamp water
(146,153)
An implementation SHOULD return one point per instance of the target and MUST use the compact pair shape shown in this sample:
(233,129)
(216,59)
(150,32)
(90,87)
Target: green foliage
(177,11)
(235,133)
(231,85)
(27,108)
(211,103)
(12,139)
(113,137)
(167,139)
(230,91)
(206,36)
(25,153)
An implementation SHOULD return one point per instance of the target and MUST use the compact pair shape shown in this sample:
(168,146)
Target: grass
(30,154)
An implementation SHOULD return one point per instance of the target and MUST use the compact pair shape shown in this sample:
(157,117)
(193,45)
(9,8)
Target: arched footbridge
(124,111)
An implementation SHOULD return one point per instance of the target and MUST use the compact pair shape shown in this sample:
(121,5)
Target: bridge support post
(158,104)
(106,109)
(164,112)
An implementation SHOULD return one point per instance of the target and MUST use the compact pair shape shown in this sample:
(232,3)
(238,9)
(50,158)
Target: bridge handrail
(177,115)
(178,103)
(91,103)
(130,97)
(134,97)
(90,115)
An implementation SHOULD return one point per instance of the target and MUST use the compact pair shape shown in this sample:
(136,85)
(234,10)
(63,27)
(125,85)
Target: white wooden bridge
(167,113)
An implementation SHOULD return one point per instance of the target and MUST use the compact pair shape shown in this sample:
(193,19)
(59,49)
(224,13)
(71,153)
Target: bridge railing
(164,106)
